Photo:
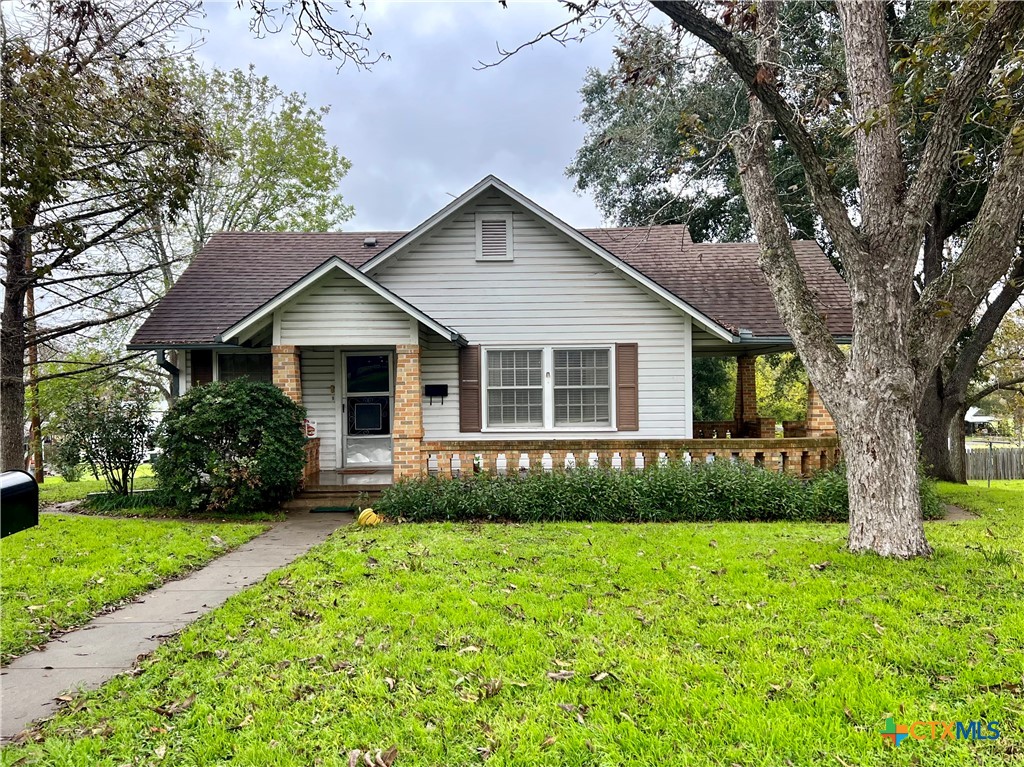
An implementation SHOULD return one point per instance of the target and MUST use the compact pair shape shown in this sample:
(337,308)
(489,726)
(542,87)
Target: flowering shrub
(233,447)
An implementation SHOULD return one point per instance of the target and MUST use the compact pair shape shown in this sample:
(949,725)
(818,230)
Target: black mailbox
(19,502)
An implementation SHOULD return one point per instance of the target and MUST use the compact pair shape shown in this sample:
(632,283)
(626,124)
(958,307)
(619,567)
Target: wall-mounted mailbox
(435,390)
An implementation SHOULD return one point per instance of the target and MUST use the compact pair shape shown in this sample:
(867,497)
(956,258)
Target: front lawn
(583,644)
(61,573)
(1004,495)
(56,490)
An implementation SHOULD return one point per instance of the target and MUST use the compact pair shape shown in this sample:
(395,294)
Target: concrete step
(311,499)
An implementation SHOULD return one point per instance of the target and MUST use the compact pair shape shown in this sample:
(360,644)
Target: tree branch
(826,197)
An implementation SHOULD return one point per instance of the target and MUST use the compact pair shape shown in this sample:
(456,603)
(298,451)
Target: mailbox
(19,502)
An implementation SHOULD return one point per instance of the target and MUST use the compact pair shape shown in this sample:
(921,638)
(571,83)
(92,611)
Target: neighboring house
(491,324)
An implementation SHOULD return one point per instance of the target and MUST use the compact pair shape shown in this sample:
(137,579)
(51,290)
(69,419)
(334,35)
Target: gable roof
(336,264)
(493,182)
(237,273)
(723,280)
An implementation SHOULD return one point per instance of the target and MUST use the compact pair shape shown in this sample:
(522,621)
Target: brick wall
(819,420)
(407,430)
(745,409)
(286,372)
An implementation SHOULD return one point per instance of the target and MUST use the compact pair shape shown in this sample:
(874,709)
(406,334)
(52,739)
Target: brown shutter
(202,366)
(470,418)
(627,391)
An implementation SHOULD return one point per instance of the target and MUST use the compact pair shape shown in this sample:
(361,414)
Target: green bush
(233,447)
(720,491)
(67,460)
(111,431)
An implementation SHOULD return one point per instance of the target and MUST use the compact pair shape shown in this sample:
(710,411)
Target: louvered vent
(494,239)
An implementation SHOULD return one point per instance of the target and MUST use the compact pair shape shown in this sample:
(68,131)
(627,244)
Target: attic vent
(370,242)
(493,238)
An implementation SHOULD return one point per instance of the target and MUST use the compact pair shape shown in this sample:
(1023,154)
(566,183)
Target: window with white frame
(582,387)
(551,387)
(515,387)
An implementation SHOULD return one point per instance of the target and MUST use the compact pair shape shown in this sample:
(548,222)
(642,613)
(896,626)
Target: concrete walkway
(89,656)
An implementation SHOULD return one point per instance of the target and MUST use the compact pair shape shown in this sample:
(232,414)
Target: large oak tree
(900,335)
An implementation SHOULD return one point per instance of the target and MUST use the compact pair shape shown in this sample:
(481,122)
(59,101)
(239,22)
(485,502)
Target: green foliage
(233,447)
(714,388)
(110,430)
(67,460)
(781,387)
(679,492)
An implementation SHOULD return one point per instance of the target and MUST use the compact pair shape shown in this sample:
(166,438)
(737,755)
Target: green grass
(688,644)
(1004,495)
(56,490)
(61,573)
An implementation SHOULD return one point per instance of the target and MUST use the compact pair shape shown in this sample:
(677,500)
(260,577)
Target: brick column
(745,409)
(407,429)
(286,371)
(819,420)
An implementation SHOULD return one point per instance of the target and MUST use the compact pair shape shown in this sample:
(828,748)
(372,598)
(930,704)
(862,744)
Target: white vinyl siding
(439,364)
(319,380)
(338,310)
(552,294)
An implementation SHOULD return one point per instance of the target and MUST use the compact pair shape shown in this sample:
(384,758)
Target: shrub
(233,447)
(67,460)
(679,492)
(110,431)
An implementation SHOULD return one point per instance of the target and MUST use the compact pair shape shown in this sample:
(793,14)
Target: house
(494,333)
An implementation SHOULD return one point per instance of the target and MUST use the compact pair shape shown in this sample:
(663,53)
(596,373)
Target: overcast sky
(426,125)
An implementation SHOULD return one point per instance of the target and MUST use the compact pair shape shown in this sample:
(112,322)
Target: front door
(366,408)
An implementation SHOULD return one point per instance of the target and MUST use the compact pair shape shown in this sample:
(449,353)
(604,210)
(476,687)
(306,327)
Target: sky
(427,125)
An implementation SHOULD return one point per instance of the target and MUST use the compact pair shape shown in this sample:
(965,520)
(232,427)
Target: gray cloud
(426,124)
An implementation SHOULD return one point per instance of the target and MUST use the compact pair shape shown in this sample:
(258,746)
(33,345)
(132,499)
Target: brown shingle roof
(722,280)
(237,272)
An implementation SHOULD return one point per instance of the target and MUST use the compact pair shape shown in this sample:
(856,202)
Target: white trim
(492,182)
(507,218)
(366,281)
(548,390)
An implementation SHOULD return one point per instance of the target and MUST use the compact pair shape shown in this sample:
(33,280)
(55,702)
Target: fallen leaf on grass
(548,742)
(561,676)
(217,540)
(468,649)
(821,565)
(177,706)
(600,676)
(244,723)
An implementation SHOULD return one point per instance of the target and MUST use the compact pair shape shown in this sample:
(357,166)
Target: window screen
(515,388)
(582,387)
(255,367)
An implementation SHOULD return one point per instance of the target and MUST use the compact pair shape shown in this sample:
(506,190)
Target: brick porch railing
(795,456)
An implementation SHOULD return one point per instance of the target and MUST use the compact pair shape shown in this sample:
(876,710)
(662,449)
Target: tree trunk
(12,353)
(935,418)
(958,450)
(878,438)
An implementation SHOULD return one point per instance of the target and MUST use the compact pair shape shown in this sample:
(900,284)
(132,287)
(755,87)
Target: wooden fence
(998,463)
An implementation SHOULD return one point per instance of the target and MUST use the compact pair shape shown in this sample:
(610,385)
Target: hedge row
(679,492)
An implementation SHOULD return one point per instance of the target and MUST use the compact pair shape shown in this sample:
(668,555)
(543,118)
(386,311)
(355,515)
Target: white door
(367,386)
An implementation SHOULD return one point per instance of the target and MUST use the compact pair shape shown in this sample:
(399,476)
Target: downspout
(161,360)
